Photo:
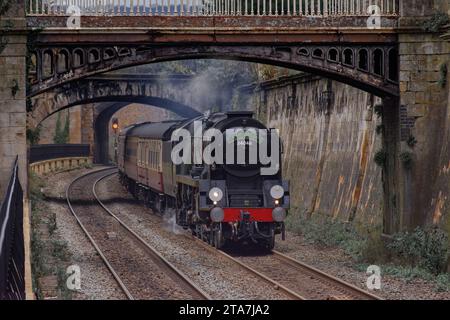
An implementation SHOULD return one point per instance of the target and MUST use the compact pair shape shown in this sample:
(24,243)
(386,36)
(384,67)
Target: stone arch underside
(359,65)
(116,89)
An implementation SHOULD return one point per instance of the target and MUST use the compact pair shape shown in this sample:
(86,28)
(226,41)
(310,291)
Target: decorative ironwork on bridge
(337,43)
(214,7)
(370,67)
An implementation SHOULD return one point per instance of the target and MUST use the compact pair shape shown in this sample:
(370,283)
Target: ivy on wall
(436,22)
(33,135)
(443,70)
(3,44)
(4,6)
(62,133)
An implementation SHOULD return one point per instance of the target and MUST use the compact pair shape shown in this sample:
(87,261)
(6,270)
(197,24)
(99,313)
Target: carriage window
(145,154)
(152,161)
(140,153)
(150,158)
(157,161)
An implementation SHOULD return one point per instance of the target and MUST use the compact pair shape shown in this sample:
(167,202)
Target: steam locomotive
(220,202)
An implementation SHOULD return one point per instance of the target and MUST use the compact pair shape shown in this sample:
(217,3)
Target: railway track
(139,270)
(276,284)
(344,290)
(294,278)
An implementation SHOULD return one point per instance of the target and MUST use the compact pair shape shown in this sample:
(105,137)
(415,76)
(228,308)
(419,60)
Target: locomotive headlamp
(216,194)
(217,214)
(277,192)
(279,214)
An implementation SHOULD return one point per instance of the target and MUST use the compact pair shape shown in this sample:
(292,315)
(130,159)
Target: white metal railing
(213,7)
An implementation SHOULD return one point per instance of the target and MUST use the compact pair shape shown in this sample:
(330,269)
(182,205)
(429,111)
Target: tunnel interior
(102,122)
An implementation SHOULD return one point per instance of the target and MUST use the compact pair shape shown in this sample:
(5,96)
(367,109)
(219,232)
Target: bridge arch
(374,72)
(147,90)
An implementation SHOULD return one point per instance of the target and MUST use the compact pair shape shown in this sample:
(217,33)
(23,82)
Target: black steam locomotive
(221,201)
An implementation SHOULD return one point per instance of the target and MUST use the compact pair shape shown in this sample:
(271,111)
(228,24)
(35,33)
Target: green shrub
(422,254)
(407,159)
(443,70)
(33,135)
(379,129)
(324,231)
(36,185)
(4,6)
(381,158)
(407,273)
(427,249)
(378,110)
(436,22)
(412,141)
(62,133)
(60,250)
(52,223)
(443,282)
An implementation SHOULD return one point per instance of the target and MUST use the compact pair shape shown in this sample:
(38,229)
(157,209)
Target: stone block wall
(79,122)
(329,135)
(424,95)
(12,96)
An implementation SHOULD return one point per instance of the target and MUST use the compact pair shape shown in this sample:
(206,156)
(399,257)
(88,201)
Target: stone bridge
(170,92)
(338,45)
(378,46)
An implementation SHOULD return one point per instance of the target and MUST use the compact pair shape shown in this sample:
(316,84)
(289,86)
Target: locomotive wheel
(204,234)
(211,238)
(218,239)
(198,231)
(271,242)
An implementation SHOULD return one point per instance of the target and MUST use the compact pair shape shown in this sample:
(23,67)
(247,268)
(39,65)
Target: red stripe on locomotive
(256,214)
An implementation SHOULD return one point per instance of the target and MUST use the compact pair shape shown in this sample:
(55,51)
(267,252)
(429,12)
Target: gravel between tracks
(96,281)
(218,276)
(144,277)
(330,260)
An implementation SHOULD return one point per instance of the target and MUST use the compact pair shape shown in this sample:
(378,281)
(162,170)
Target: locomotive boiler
(237,199)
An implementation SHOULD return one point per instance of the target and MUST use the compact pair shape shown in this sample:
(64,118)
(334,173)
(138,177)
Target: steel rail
(147,246)
(275,284)
(94,244)
(284,258)
(327,277)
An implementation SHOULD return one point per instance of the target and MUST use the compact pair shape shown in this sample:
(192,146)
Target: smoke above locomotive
(238,142)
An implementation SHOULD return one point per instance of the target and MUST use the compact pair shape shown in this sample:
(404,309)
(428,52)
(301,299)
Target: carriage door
(141,162)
